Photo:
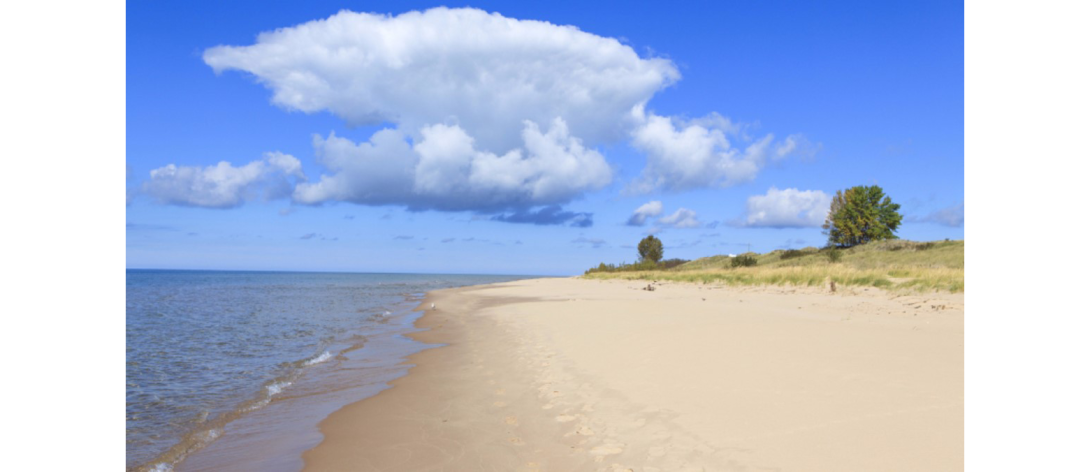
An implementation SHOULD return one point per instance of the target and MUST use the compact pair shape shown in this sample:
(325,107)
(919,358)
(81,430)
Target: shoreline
(575,374)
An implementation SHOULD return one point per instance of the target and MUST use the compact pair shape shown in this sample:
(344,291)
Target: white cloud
(788,208)
(485,72)
(445,170)
(683,155)
(485,113)
(682,218)
(468,93)
(223,185)
(647,210)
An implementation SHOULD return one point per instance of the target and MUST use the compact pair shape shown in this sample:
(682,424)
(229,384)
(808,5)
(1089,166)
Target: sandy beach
(571,374)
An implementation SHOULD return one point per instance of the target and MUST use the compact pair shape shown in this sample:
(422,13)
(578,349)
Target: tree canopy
(860,215)
(650,249)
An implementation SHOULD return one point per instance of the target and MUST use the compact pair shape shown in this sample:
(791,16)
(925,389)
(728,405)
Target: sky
(524,138)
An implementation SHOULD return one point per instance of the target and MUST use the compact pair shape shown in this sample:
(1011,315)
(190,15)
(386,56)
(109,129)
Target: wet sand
(571,374)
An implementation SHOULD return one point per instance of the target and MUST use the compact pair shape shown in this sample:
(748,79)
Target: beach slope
(574,374)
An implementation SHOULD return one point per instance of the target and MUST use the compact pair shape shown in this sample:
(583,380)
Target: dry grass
(893,265)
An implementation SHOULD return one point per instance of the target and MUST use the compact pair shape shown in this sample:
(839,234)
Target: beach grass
(895,265)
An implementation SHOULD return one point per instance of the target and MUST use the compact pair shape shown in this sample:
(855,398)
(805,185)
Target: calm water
(235,369)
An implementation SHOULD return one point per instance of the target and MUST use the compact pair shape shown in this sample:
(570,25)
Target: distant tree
(650,249)
(860,215)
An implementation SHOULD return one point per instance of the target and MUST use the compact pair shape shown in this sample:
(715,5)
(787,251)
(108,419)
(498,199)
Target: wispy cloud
(953,216)
(592,242)
(550,215)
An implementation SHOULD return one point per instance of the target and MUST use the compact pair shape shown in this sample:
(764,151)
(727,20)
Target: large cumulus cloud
(484,113)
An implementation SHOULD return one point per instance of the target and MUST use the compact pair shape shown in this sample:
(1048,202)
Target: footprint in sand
(584,431)
(516,441)
(547,406)
(565,418)
(511,420)
(501,392)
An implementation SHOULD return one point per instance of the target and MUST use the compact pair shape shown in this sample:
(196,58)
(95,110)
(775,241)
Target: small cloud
(349,217)
(595,243)
(709,235)
(403,237)
(286,211)
(447,240)
(386,217)
(681,219)
(549,215)
(191,234)
(308,236)
(518,242)
(644,212)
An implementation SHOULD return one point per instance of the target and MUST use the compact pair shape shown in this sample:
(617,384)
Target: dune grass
(893,265)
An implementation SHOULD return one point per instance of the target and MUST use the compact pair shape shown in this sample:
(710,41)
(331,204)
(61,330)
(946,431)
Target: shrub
(791,253)
(671,263)
(743,261)
(833,255)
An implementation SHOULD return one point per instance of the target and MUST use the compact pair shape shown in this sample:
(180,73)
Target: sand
(572,374)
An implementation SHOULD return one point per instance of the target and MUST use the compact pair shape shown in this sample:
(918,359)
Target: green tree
(860,215)
(650,249)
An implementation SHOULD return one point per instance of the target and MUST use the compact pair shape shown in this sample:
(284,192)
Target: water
(235,369)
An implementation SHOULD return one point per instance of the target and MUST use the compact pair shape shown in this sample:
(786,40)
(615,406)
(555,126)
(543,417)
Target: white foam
(325,356)
(162,467)
(277,387)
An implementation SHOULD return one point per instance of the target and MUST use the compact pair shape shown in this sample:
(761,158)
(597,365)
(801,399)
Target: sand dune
(571,374)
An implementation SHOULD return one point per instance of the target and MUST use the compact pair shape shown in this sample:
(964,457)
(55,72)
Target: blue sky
(780,104)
